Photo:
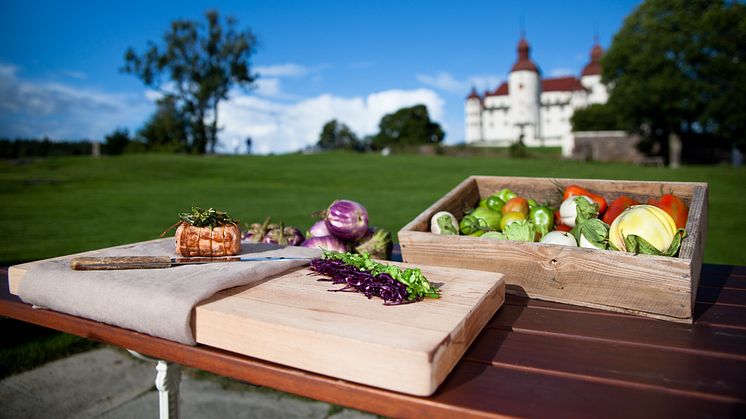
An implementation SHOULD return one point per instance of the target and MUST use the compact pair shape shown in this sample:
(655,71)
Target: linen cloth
(158,302)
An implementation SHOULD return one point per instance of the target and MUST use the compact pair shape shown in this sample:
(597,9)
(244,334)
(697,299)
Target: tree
(678,67)
(407,127)
(116,142)
(596,117)
(202,64)
(167,129)
(335,135)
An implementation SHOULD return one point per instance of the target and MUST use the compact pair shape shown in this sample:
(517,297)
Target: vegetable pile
(360,273)
(583,219)
(274,234)
(344,227)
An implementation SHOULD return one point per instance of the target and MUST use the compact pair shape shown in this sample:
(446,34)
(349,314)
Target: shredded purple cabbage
(384,286)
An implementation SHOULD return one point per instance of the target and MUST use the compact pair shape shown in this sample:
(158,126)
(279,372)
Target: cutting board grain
(293,319)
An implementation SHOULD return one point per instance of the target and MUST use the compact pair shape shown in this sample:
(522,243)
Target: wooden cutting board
(293,319)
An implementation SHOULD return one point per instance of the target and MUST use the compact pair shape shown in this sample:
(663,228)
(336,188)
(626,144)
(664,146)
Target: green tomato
(494,203)
(490,218)
(506,194)
(471,224)
(542,218)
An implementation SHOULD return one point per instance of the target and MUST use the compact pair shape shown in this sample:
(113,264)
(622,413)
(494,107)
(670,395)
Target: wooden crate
(651,286)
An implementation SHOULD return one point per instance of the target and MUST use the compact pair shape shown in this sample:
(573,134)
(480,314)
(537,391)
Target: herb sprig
(200,217)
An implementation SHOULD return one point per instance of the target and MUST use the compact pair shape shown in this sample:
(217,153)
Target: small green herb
(200,217)
(417,285)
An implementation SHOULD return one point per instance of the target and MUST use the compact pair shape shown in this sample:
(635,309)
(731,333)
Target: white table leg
(167,381)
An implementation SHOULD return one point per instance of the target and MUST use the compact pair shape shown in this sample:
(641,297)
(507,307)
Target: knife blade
(84,263)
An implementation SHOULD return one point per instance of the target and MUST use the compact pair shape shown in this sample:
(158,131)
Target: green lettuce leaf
(520,231)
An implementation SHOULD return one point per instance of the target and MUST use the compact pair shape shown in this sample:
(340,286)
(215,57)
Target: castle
(530,108)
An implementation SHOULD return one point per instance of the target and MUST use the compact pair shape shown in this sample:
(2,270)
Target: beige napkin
(158,302)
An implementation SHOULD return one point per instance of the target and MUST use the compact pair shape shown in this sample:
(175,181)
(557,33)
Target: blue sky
(350,60)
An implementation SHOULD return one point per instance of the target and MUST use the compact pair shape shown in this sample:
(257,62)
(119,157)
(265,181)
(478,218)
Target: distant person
(248,145)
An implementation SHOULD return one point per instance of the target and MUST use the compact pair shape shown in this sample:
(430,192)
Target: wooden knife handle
(119,262)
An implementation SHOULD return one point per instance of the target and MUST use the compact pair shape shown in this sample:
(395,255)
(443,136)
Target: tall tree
(201,64)
(406,127)
(336,135)
(679,67)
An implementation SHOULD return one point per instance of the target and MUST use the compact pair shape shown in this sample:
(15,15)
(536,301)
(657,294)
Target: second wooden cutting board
(294,320)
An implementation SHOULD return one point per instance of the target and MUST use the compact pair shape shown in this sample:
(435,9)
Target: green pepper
(532,203)
(494,203)
(506,194)
(542,218)
(491,218)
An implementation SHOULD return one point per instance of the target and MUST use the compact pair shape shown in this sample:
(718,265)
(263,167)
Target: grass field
(57,206)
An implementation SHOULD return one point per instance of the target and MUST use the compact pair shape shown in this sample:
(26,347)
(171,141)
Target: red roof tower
(524,60)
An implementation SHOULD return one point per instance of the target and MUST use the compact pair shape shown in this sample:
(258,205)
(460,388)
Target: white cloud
(278,128)
(282,70)
(60,111)
(443,81)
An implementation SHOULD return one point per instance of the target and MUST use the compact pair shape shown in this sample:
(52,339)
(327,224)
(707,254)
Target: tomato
(494,203)
(563,227)
(575,190)
(511,217)
(506,194)
(674,206)
(616,207)
(516,204)
(542,218)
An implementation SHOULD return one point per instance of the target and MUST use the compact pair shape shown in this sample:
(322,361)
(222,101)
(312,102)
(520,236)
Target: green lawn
(58,206)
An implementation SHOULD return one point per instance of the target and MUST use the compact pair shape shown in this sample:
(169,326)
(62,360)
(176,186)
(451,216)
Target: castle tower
(524,87)
(473,118)
(591,77)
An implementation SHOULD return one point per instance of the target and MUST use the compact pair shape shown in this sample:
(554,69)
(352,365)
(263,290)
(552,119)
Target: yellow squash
(646,221)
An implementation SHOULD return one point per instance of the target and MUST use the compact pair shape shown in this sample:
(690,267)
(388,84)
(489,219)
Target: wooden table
(534,358)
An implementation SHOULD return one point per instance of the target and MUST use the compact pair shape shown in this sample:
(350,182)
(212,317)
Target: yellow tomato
(511,217)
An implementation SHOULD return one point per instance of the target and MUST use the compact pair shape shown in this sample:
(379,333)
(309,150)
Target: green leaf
(521,230)
(585,209)
(638,245)
(446,225)
(673,250)
(595,231)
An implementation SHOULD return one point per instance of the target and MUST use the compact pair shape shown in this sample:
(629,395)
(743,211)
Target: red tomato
(616,207)
(563,227)
(516,204)
(575,190)
(674,206)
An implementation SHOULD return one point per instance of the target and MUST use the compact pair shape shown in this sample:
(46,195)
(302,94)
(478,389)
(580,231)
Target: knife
(157,262)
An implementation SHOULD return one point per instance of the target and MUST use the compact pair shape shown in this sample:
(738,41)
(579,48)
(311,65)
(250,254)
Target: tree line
(676,67)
